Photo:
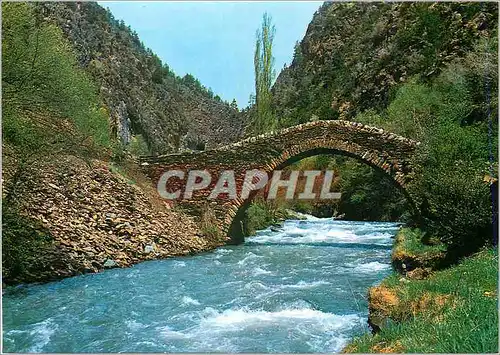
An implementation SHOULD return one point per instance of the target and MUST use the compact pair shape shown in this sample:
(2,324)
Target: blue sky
(214,41)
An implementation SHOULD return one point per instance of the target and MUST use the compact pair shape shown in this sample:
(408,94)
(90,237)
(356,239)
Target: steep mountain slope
(142,95)
(354,56)
(427,71)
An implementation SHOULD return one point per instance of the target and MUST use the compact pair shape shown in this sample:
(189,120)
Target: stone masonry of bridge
(274,151)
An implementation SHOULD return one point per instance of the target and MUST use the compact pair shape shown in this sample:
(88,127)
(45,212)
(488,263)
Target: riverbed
(298,288)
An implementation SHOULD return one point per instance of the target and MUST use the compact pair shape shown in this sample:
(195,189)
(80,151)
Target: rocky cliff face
(143,97)
(354,55)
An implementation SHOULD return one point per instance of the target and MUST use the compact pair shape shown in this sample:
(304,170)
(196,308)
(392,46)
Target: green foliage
(302,206)
(264,119)
(354,56)
(369,194)
(421,70)
(141,94)
(210,231)
(49,103)
(261,214)
(23,241)
(257,217)
(412,109)
(194,83)
(118,152)
(449,117)
(298,57)
(463,320)
(49,106)
(138,146)
(322,162)
(208,223)
(456,203)
(117,169)
(410,240)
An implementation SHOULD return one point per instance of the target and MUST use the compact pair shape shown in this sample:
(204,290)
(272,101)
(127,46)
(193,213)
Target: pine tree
(234,104)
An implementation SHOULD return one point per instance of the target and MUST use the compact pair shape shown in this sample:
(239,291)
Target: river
(298,289)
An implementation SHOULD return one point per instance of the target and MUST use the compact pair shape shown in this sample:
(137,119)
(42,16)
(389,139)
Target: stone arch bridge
(275,150)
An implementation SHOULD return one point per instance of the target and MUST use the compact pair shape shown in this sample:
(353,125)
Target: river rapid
(301,288)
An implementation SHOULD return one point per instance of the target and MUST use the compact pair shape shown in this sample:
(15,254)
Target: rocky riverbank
(412,261)
(73,216)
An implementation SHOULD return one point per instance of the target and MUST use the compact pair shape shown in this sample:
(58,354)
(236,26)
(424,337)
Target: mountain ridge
(142,95)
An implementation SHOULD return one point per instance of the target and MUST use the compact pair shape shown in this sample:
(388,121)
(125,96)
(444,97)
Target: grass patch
(454,310)
(410,252)
(118,170)
(409,242)
(208,224)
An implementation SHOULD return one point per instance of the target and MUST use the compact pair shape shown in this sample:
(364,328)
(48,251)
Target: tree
(264,119)
(297,54)
(48,101)
(234,104)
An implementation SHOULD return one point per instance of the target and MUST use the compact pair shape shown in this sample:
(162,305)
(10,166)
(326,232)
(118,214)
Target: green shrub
(369,194)
(211,232)
(261,214)
(257,217)
(450,119)
(208,223)
(456,206)
(117,169)
(455,202)
(138,146)
(23,242)
(410,241)
(412,110)
(302,206)
(49,102)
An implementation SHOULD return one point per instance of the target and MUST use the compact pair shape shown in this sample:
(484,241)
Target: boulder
(109,263)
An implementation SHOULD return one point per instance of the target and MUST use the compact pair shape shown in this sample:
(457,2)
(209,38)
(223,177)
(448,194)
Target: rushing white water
(299,289)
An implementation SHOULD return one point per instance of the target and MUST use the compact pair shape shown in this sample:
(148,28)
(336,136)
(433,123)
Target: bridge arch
(236,229)
(381,150)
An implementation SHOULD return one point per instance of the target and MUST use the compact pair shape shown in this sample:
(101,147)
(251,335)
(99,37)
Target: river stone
(109,263)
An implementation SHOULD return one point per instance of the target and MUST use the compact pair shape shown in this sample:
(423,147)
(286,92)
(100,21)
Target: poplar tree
(264,119)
